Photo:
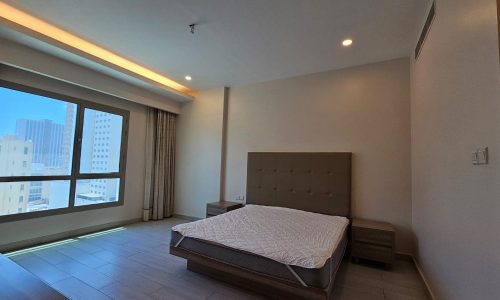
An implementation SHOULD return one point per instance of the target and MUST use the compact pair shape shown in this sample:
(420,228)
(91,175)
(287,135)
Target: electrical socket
(480,156)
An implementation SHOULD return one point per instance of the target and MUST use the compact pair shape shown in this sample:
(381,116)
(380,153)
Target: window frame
(76,156)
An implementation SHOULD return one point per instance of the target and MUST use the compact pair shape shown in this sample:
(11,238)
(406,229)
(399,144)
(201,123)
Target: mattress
(288,236)
(319,277)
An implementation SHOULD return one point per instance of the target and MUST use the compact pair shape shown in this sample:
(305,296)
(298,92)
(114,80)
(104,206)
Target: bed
(289,241)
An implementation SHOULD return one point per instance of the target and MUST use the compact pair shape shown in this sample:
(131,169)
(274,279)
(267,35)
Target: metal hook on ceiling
(192,27)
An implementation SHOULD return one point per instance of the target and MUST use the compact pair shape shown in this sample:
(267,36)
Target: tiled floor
(133,263)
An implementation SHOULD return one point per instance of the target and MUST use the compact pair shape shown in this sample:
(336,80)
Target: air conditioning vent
(425,30)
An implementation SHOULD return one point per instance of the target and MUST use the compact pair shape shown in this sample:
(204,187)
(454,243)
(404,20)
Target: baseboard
(187,218)
(63,235)
(428,289)
(411,257)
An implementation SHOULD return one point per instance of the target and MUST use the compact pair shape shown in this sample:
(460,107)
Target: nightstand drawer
(373,252)
(212,210)
(373,237)
(217,208)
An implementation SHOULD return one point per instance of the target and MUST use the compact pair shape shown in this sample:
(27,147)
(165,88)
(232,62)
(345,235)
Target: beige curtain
(160,165)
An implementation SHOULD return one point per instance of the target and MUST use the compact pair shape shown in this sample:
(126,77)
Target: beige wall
(198,153)
(134,191)
(456,109)
(364,110)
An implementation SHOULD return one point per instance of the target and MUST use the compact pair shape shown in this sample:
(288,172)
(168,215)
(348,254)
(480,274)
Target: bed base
(264,284)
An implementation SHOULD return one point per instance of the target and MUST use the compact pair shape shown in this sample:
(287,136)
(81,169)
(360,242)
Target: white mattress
(288,236)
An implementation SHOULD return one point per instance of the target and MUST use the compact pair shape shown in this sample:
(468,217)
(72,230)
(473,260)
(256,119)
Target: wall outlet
(475,157)
(240,198)
(480,156)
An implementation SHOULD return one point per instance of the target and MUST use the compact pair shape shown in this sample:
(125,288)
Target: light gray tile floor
(133,263)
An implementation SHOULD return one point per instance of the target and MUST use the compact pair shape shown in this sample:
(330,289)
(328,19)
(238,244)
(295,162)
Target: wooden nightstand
(217,208)
(373,240)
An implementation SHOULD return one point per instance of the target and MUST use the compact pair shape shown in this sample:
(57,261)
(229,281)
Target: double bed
(290,238)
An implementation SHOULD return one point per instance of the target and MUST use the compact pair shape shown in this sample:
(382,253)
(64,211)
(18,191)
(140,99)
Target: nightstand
(373,240)
(217,208)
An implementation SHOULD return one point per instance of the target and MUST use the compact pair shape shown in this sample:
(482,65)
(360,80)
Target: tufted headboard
(316,182)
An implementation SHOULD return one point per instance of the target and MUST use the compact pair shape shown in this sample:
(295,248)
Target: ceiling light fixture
(45,29)
(347,42)
(188,78)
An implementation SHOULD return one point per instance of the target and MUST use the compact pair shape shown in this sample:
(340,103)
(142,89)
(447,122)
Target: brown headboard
(316,182)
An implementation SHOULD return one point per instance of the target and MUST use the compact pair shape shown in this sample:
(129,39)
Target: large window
(58,154)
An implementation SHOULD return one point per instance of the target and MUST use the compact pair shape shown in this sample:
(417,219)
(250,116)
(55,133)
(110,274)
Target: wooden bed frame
(316,182)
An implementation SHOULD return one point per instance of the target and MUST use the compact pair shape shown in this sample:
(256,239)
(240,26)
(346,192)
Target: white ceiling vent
(426,29)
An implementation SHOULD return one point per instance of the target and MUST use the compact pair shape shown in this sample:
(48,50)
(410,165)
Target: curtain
(160,165)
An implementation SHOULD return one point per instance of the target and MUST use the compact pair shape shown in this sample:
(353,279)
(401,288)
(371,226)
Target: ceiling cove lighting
(347,42)
(188,78)
(39,26)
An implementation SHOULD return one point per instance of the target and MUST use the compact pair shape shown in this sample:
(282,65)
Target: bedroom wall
(456,109)
(198,153)
(13,232)
(364,110)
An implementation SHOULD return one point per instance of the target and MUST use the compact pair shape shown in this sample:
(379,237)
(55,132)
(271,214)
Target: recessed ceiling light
(347,42)
(188,78)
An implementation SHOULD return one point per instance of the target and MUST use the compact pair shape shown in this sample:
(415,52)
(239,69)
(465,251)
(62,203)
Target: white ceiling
(237,42)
